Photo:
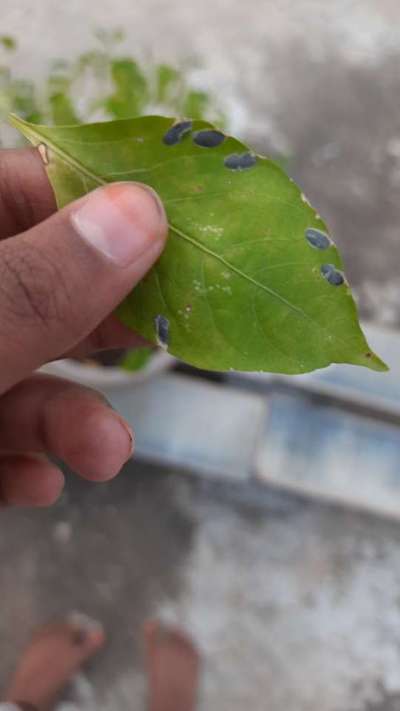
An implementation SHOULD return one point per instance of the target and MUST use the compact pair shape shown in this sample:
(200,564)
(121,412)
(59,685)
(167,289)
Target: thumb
(60,279)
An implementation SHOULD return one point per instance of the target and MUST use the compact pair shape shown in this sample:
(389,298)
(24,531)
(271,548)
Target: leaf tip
(24,127)
(373,362)
(14,120)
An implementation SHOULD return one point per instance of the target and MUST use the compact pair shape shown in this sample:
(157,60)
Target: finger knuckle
(16,210)
(32,288)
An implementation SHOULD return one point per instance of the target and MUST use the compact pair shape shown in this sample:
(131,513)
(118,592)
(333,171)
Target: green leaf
(97,61)
(136,359)
(23,97)
(8,42)
(168,83)
(109,37)
(250,279)
(61,107)
(196,104)
(130,93)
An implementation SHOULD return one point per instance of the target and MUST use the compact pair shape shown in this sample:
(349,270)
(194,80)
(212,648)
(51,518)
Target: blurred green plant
(101,84)
(7,42)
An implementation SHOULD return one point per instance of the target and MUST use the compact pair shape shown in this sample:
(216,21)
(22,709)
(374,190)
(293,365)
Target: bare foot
(54,655)
(173,669)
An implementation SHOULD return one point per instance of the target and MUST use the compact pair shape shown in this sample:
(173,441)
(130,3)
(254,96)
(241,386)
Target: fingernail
(121,221)
(130,435)
(118,424)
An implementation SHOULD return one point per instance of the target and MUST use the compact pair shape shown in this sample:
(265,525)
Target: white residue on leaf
(198,286)
(224,287)
(212,229)
(43,152)
(226,274)
(305,199)
(185,313)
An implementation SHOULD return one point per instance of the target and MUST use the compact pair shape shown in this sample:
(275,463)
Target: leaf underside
(250,279)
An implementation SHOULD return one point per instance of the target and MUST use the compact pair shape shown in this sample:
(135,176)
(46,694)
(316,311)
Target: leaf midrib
(70,161)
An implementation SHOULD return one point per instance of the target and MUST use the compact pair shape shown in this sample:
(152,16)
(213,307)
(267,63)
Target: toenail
(83,627)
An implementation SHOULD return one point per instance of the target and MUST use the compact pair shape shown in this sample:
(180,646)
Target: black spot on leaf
(175,134)
(208,138)
(161,325)
(331,274)
(240,161)
(317,239)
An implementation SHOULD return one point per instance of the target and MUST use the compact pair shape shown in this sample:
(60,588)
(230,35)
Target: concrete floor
(113,552)
(295,606)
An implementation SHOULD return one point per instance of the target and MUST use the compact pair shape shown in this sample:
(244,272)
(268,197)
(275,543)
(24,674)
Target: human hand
(61,276)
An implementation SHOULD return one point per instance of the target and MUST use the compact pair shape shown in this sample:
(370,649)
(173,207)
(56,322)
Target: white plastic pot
(108,377)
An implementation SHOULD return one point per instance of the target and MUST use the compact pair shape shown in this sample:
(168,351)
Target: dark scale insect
(175,134)
(161,325)
(208,138)
(317,239)
(331,274)
(240,161)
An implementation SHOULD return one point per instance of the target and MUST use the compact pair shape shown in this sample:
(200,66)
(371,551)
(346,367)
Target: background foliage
(101,84)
